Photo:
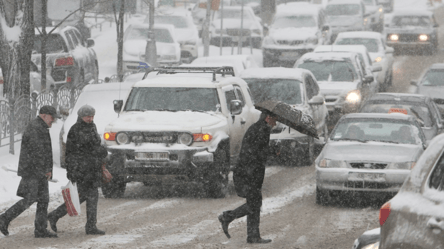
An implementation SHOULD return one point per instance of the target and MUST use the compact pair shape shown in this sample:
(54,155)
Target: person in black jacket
(35,168)
(248,177)
(84,159)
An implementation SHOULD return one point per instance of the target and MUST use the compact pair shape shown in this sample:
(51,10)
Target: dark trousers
(41,214)
(88,194)
(252,209)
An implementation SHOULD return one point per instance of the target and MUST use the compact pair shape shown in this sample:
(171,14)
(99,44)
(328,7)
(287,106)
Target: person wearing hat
(248,176)
(35,168)
(84,158)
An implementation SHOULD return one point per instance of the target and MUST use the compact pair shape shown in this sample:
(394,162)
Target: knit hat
(46,109)
(86,110)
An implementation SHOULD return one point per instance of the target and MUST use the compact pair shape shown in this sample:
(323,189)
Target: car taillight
(198,137)
(65,61)
(109,136)
(384,213)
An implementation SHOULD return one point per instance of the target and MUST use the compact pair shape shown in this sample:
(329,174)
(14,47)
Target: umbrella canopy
(289,116)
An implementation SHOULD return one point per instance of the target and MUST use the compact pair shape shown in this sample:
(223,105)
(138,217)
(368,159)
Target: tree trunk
(119,26)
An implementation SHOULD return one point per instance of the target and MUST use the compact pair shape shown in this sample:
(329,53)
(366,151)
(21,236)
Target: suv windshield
(331,70)
(342,9)
(285,90)
(400,21)
(172,99)
(369,43)
(139,33)
(381,130)
(178,21)
(433,78)
(54,44)
(293,22)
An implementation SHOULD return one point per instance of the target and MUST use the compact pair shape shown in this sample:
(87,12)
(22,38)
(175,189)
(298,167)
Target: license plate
(152,156)
(370,177)
(290,54)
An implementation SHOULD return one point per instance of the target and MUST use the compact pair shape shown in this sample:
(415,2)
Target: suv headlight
(378,59)
(122,138)
(327,163)
(185,138)
(353,97)
(312,40)
(393,37)
(269,41)
(423,37)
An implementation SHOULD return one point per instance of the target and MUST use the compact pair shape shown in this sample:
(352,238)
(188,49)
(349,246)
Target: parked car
(414,217)
(419,106)
(298,88)
(99,96)
(199,11)
(239,62)
(431,83)
(368,240)
(297,28)
(179,125)
(375,13)
(346,15)
(413,29)
(231,29)
(70,58)
(380,53)
(342,80)
(368,153)
(185,31)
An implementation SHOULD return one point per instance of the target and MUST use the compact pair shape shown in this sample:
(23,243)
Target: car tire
(115,188)
(216,185)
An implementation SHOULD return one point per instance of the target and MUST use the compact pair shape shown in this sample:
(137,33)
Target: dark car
(431,83)
(420,106)
(413,29)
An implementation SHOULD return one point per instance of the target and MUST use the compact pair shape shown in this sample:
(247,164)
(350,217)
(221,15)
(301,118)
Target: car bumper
(188,53)
(347,179)
(283,57)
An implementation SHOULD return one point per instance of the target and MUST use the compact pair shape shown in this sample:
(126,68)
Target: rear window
(331,70)
(139,33)
(433,77)
(285,90)
(411,21)
(370,44)
(54,44)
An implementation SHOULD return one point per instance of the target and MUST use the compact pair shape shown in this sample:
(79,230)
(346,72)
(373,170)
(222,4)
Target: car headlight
(269,41)
(372,246)
(423,37)
(402,165)
(353,97)
(312,40)
(381,9)
(185,138)
(393,37)
(327,163)
(122,138)
(378,59)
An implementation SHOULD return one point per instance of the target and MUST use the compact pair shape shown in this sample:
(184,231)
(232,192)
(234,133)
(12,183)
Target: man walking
(35,168)
(248,177)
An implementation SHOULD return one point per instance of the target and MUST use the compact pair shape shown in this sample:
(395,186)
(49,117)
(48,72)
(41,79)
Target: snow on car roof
(274,73)
(172,12)
(397,116)
(412,12)
(198,80)
(298,8)
(401,96)
(360,34)
(339,56)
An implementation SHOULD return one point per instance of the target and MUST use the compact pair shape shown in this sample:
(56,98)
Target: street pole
(221,24)
(239,43)
(150,49)
(206,31)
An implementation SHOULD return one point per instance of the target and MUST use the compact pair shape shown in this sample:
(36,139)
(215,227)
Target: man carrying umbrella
(248,177)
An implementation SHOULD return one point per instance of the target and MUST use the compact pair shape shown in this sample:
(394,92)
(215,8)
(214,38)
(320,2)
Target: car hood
(336,88)
(342,20)
(409,30)
(235,24)
(164,121)
(293,33)
(136,47)
(371,151)
(435,92)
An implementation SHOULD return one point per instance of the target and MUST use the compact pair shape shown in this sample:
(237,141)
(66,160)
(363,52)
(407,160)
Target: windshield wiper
(351,139)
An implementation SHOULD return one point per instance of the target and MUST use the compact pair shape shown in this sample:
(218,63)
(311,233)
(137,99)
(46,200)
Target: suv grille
(408,37)
(159,137)
(368,165)
(291,43)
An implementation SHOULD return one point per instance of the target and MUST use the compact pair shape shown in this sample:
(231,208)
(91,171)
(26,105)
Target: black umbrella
(290,116)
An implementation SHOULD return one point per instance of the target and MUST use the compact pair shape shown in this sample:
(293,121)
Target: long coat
(35,161)
(84,154)
(250,170)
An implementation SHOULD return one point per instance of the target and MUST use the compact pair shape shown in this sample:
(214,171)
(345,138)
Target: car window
(401,21)
(230,95)
(311,87)
(300,21)
(331,70)
(70,42)
(239,95)
(80,37)
(342,9)
(140,33)
(437,177)
(54,44)
(74,39)
(433,77)
(285,90)
(232,14)
(370,43)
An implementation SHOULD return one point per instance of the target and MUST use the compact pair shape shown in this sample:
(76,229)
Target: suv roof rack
(173,70)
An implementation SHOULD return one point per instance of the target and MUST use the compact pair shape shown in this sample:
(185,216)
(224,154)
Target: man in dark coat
(35,168)
(84,159)
(248,177)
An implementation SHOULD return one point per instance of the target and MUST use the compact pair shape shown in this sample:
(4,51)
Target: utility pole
(240,43)
(150,49)
(206,30)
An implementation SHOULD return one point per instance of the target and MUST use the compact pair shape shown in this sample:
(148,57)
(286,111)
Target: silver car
(414,217)
(368,152)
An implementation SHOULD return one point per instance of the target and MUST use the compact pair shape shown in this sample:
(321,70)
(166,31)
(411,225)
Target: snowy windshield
(433,77)
(423,21)
(331,70)
(139,33)
(370,43)
(418,110)
(382,130)
(54,44)
(293,21)
(342,9)
(178,21)
(172,99)
(232,14)
(285,90)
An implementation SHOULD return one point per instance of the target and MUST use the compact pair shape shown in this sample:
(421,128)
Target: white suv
(179,125)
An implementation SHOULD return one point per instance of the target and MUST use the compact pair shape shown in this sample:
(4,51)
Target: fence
(15,116)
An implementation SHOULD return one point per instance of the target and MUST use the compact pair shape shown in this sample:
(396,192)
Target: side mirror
(414,83)
(368,79)
(118,104)
(235,107)
(316,100)
(389,50)
(90,43)
(376,68)
(325,28)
